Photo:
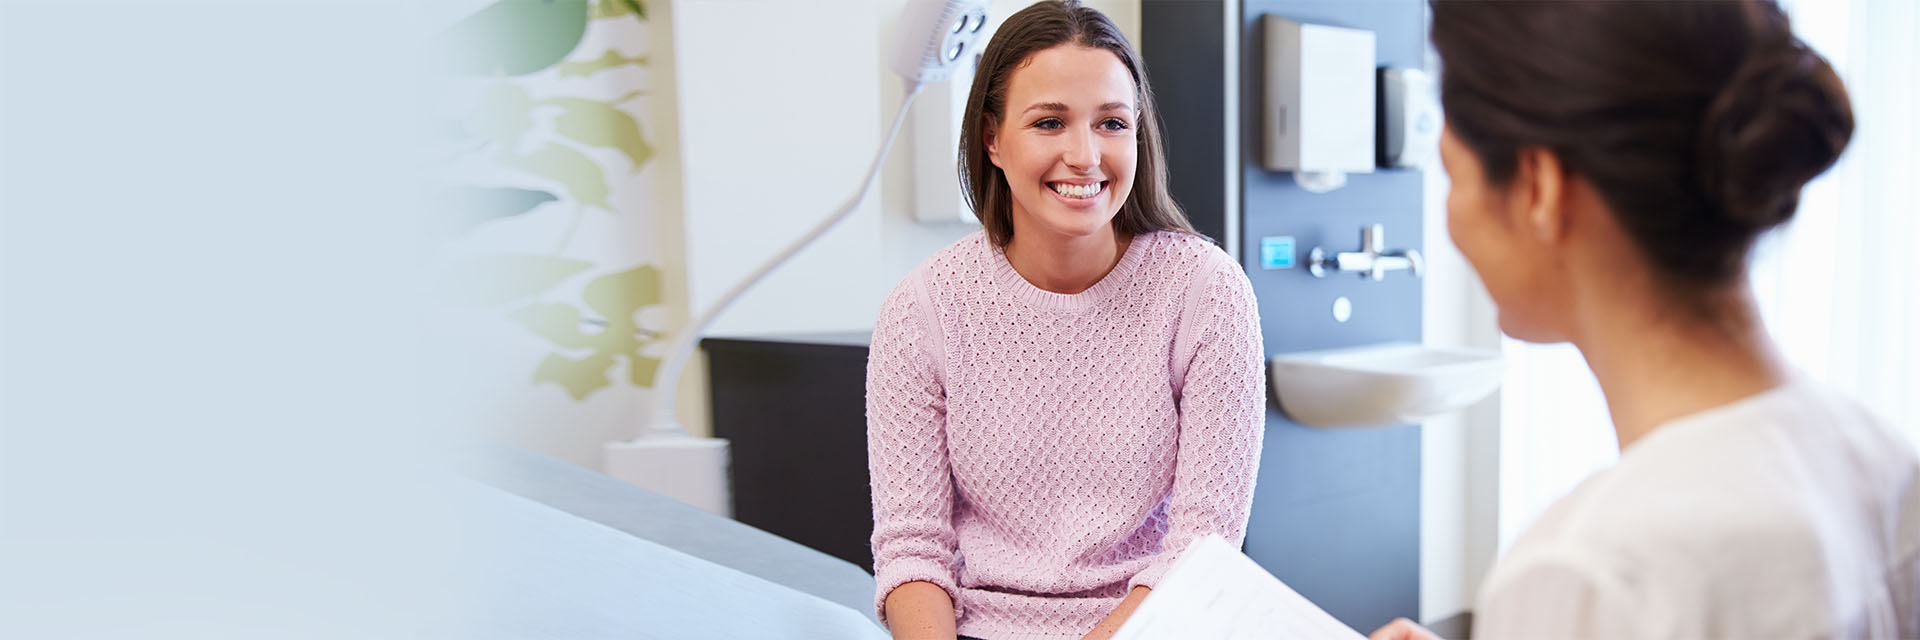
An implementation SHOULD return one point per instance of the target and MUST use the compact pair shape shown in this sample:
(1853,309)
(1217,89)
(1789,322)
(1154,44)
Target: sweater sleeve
(912,485)
(1222,404)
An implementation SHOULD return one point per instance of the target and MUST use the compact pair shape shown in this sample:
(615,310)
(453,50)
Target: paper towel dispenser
(1319,101)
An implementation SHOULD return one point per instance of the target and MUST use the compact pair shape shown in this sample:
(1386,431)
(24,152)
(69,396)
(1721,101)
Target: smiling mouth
(1078,191)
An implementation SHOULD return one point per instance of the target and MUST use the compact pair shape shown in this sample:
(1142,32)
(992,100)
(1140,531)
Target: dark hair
(1036,28)
(1697,122)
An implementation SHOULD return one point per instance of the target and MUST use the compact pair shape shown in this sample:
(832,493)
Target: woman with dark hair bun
(1612,165)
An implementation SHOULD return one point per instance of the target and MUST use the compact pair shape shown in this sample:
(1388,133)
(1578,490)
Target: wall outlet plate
(1276,252)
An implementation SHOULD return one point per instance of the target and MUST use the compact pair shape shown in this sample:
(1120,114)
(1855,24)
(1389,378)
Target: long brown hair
(1043,26)
(1697,122)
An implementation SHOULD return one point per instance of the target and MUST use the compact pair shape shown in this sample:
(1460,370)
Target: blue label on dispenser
(1276,252)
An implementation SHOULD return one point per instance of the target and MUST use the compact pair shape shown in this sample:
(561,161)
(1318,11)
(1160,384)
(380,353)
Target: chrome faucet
(1370,261)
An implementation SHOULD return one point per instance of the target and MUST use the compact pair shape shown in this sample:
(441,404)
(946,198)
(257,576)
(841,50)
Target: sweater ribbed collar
(1013,284)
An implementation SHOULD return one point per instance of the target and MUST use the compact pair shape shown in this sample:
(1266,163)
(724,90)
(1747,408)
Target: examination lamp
(935,37)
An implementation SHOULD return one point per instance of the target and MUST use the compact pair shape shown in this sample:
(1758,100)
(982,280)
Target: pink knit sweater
(1039,454)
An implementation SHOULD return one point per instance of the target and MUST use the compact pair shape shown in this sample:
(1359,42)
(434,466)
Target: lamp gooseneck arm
(667,381)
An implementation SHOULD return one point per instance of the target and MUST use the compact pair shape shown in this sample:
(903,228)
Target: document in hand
(1217,593)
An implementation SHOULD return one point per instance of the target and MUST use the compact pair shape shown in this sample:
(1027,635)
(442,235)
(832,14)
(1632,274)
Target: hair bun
(1780,120)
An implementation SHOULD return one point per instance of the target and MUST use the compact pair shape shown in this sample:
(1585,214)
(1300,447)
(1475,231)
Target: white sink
(1382,384)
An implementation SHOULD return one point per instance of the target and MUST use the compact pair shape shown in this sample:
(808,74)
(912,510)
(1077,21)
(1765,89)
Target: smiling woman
(1058,404)
(1073,87)
(1068,158)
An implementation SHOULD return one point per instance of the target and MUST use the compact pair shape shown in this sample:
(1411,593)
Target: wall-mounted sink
(1382,384)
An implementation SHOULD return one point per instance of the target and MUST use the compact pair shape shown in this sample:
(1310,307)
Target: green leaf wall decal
(642,371)
(617,298)
(610,59)
(490,279)
(620,296)
(600,124)
(514,37)
(579,377)
(583,178)
(558,323)
(467,207)
(616,8)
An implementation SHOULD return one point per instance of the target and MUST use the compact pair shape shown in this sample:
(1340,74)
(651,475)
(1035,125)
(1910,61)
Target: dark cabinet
(794,409)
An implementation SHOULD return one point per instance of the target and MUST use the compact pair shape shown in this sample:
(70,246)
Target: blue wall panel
(1336,512)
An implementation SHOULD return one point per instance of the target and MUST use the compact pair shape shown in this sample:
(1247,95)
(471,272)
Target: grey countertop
(676,525)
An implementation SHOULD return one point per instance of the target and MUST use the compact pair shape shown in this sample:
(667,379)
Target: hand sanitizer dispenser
(1319,103)
(1409,119)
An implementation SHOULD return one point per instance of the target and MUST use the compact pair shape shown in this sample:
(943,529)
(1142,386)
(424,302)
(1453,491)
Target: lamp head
(938,35)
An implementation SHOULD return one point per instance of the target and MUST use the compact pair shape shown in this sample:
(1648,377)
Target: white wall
(775,127)
(779,118)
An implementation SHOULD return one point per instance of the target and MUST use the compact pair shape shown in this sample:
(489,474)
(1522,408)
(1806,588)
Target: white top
(1791,514)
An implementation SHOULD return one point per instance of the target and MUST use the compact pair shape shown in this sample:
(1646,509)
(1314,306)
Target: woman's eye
(1114,124)
(1047,123)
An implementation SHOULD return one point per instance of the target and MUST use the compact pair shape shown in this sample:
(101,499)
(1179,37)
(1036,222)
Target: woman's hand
(1403,629)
